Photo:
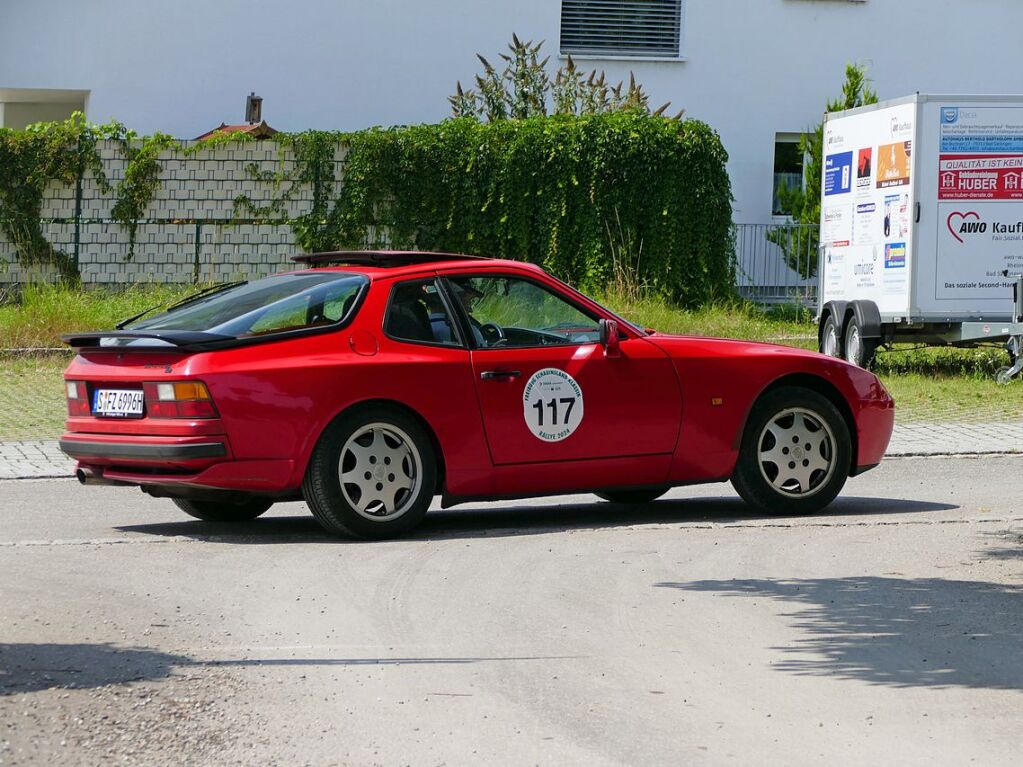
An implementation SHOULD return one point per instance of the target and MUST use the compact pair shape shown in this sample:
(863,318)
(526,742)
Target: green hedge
(588,198)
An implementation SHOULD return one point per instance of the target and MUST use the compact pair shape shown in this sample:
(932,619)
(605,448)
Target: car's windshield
(275,304)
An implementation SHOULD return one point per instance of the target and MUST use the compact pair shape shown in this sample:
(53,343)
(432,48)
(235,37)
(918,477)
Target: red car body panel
(617,424)
(668,410)
(722,379)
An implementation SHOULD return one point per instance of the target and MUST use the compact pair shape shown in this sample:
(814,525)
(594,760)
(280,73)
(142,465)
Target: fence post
(198,251)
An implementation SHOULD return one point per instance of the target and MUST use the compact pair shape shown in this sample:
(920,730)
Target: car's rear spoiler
(189,340)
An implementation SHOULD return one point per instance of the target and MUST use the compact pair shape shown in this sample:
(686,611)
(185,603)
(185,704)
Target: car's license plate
(118,403)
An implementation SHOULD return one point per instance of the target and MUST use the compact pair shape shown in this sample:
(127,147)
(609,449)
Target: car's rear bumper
(86,449)
(176,453)
(266,477)
(196,461)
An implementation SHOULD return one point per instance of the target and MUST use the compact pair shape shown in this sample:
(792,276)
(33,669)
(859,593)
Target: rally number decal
(552,404)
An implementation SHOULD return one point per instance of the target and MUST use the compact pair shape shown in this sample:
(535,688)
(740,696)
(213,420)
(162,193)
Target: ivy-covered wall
(615,197)
(195,198)
(594,199)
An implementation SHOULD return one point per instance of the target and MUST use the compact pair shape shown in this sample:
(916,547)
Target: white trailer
(922,226)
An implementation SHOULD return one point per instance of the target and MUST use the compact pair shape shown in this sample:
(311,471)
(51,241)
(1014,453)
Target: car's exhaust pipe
(87,476)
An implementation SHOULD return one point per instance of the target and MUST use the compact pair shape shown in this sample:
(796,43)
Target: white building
(758,71)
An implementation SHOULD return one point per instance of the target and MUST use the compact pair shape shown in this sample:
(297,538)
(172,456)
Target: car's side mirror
(609,338)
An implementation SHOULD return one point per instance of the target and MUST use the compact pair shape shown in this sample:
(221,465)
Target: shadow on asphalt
(1013,549)
(899,632)
(28,667)
(35,667)
(502,521)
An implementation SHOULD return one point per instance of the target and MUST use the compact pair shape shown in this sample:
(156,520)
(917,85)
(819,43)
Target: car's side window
(509,312)
(320,305)
(416,313)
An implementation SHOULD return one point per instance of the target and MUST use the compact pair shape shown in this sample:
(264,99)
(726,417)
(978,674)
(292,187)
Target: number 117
(552,403)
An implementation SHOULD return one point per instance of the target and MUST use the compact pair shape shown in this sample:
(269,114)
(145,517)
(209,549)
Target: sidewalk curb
(69,473)
(20,477)
(959,454)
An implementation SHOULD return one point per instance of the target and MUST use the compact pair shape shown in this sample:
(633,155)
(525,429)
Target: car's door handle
(499,375)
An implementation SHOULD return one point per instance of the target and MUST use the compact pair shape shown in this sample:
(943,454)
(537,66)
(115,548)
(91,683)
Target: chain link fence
(171,250)
(203,222)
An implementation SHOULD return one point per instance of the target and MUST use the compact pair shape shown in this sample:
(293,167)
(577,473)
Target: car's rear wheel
(224,511)
(796,453)
(372,474)
(632,495)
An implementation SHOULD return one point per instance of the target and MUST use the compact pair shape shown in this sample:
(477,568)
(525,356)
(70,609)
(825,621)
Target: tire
(811,420)
(830,340)
(350,485)
(635,495)
(224,511)
(858,350)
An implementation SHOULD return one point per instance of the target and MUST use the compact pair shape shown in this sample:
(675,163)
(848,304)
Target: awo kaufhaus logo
(963,224)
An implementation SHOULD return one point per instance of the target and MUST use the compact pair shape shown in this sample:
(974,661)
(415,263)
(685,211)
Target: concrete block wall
(195,186)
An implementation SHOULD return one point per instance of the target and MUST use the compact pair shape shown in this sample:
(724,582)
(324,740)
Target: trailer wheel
(858,350)
(830,342)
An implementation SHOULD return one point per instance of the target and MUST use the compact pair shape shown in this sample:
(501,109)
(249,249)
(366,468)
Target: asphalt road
(889,630)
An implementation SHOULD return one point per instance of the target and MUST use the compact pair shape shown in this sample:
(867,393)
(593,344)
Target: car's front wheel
(372,474)
(224,511)
(796,453)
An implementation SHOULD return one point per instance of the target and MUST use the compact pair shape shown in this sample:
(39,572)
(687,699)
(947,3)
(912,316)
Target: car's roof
(397,263)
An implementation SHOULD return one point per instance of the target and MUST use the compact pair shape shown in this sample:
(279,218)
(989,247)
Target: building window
(788,167)
(20,107)
(621,27)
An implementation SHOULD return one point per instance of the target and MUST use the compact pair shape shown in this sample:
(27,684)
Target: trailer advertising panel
(979,193)
(867,206)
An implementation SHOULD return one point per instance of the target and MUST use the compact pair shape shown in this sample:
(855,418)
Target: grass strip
(928,384)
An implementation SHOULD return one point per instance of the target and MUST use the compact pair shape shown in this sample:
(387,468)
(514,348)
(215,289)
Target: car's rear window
(272,305)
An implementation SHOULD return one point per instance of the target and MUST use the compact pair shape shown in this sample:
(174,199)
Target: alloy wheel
(796,452)
(381,471)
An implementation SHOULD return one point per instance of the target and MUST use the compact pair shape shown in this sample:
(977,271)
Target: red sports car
(369,382)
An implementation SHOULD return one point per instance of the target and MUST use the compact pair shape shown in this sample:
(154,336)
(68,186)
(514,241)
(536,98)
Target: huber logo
(965,223)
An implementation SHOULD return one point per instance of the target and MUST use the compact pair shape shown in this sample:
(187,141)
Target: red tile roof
(256,130)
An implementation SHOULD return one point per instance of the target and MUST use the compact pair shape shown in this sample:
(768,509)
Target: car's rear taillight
(77,398)
(178,399)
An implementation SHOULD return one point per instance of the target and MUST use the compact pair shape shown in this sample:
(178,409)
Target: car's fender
(721,381)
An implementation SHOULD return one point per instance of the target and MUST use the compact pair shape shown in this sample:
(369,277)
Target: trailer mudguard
(834,309)
(868,318)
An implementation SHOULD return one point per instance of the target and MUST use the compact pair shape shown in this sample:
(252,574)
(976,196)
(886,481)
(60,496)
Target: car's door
(547,389)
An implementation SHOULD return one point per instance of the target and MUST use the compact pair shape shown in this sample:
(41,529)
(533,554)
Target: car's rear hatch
(138,396)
